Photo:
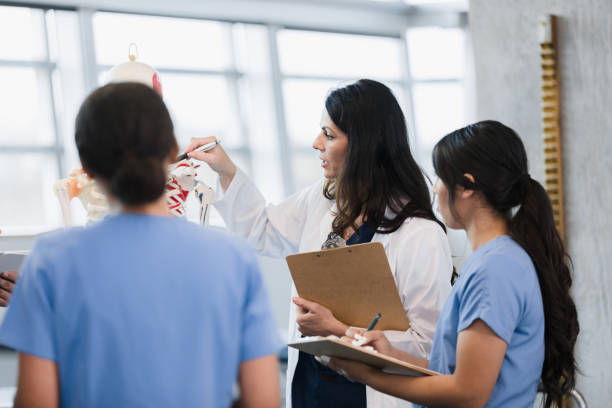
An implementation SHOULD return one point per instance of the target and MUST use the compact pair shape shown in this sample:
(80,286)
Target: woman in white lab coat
(373,190)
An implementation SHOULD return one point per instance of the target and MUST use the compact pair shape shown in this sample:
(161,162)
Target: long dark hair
(123,135)
(495,156)
(378,171)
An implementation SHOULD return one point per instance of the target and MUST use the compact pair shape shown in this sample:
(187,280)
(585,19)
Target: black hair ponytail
(495,156)
(533,227)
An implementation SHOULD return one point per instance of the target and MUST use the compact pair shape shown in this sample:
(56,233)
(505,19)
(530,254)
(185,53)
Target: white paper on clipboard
(12,260)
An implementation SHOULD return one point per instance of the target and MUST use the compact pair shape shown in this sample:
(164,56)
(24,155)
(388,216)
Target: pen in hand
(374,321)
(361,339)
(204,148)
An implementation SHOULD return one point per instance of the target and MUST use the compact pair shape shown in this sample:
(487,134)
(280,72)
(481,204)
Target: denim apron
(315,385)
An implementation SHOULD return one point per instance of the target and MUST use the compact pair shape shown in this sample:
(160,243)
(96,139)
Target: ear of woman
(468,190)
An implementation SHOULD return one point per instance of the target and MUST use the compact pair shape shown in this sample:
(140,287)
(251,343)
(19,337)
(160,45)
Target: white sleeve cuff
(239,178)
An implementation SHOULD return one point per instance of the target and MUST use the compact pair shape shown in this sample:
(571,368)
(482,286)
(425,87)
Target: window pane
(241,160)
(21,34)
(68,80)
(257,106)
(201,106)
(339,55)
(306,168)
(436,52)
(25,113)
(26,182)
(304,103)
(162,41)
(439,109)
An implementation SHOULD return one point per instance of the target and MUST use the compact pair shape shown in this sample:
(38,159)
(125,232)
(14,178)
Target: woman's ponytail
(495,156)
(533,227)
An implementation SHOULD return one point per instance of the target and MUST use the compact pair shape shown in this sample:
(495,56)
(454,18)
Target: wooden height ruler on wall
(551,131)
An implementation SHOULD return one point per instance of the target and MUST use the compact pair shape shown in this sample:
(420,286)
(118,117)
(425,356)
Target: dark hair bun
(138,180)
(125,136)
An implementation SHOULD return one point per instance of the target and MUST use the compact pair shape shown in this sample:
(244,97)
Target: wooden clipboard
(333,347)
(355,282)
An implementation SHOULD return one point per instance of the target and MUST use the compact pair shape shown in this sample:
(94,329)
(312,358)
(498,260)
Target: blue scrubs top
(143,311)
(498,285)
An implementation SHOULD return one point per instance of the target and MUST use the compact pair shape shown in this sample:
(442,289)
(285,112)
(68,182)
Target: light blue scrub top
(499,285)
(142,311)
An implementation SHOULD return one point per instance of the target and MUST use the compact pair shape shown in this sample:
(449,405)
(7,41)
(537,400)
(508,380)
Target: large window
(259,88)
(437,67)
(312,63)
(211,83)
(35,111)
(196,65)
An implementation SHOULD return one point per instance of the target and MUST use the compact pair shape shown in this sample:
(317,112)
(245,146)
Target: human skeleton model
(181,175)
(181,181)
(78,184)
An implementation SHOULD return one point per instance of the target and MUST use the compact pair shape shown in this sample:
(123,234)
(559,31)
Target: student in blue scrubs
(510,321)
(141,309)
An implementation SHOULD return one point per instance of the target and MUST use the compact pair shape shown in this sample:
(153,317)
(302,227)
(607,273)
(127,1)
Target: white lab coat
(418,253)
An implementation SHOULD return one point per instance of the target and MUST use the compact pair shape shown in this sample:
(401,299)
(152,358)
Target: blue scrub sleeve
(258,333)
(28,323)
(491,296)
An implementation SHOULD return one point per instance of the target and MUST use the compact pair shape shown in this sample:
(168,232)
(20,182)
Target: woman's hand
(316,320)
(216,158)
(380,343)
(352,370)
(352,332)
(7,284)
(376,339)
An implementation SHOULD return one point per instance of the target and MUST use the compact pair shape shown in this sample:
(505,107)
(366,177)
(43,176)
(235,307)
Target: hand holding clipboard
(352,282)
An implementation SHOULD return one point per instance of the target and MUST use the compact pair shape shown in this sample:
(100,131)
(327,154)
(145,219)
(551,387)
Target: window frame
(401,17)
(49,68)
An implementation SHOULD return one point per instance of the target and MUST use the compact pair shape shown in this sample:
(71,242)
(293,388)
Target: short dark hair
(124,134)
(378,172)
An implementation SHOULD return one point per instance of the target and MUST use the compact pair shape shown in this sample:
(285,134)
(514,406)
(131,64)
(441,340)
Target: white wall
(504,34)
